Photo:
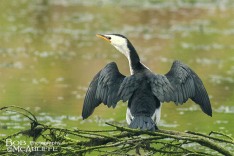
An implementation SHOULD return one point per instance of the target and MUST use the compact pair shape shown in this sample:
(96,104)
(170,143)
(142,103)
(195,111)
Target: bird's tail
(143,123)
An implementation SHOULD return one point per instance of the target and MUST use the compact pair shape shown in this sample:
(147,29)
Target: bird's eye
(109,38)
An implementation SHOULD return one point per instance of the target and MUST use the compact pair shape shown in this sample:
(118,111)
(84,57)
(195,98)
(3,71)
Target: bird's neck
(134,60)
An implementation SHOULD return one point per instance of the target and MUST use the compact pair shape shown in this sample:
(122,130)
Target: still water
(49,54)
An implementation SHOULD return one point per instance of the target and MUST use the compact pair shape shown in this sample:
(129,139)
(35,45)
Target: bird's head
(120,42)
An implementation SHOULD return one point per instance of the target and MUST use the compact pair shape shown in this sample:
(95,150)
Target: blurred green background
(49,54)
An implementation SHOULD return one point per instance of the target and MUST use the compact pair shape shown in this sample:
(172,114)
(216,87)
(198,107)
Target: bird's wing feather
(128,86)
(180,84)
(103,89)
(162,88)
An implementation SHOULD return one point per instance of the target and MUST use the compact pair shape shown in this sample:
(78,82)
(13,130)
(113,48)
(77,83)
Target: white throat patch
(120,43)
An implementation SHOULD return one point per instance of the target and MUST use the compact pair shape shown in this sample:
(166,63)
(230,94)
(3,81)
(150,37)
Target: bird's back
(143,101)
(142,105)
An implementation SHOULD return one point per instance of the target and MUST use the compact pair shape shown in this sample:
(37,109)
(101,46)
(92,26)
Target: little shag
(143,89)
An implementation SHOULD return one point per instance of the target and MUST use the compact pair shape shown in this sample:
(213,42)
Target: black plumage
(103,89)
(143,89)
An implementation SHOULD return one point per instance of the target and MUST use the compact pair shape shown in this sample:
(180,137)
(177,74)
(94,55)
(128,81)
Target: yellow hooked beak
(103,37)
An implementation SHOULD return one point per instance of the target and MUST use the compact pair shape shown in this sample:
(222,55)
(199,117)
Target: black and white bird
(143,89)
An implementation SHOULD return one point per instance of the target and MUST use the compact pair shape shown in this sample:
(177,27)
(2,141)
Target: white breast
(157,115)
(129,116)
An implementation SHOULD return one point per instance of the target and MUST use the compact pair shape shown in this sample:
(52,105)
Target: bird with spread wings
(143,89)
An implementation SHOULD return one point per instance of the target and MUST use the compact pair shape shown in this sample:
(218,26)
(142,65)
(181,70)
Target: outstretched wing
(180,84)
(103,89)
